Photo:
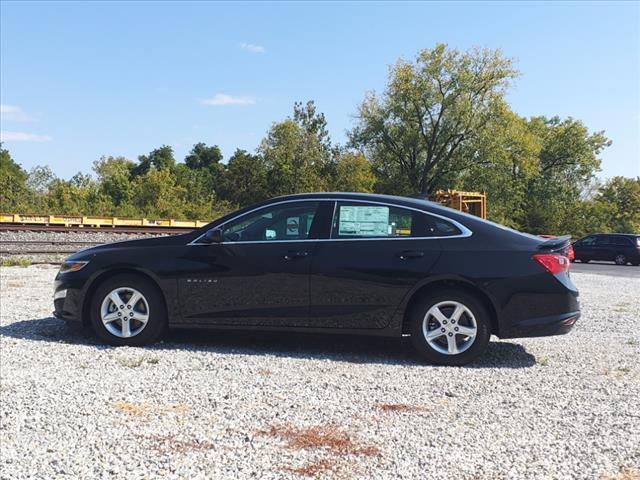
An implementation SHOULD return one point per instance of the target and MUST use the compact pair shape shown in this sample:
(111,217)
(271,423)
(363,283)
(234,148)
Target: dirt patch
(626,473)
(400,407)
(142,409)
(316,468)
(327,437)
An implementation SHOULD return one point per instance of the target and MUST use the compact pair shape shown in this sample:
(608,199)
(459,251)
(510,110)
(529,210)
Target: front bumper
(67,301)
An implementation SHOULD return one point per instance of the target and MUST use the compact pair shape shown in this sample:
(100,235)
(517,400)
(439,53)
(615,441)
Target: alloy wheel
(621,260)
(124,312)
(449,327)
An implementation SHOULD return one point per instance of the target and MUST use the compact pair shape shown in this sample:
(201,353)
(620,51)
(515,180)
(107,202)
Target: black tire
(584,260)
(157,314)
(474,350)
(620,259)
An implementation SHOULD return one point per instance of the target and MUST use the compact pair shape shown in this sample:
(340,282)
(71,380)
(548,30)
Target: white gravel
(233,405)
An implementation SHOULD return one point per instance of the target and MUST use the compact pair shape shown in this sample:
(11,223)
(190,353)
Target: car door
(259,274)
(375,255)
(604,250)
(585,248)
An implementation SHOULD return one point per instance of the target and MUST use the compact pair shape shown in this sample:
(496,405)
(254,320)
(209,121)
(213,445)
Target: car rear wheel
(450,328)
(128,310)
(620,259)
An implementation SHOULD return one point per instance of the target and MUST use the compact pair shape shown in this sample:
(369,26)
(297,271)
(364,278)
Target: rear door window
(362,220)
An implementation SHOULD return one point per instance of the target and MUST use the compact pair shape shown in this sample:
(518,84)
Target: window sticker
(364,221)
(293,226)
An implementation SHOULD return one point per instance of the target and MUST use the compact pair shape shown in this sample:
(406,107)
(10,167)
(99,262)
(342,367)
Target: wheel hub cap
(449,327)
(124,312)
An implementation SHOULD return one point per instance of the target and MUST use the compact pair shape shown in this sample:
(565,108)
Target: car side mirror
(213,236)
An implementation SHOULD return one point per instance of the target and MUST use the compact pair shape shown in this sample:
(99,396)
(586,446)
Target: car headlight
(71,266)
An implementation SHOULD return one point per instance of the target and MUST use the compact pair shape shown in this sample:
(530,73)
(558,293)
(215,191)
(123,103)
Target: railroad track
(5,227)
(36,247)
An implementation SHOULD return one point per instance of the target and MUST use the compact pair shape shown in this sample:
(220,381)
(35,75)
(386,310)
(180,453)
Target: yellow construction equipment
(469,202)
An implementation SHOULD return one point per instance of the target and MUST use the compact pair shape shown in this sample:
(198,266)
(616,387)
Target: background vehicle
(621,248)
(330,262)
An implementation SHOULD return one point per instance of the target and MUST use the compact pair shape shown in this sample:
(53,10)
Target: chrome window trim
(465,232)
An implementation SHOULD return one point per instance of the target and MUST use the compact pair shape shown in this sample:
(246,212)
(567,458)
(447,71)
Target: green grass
(15,262)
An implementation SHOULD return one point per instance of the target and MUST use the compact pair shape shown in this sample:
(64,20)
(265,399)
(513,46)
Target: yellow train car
(96,222)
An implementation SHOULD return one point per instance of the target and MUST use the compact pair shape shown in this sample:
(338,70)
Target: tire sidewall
(482,320)
(157,310)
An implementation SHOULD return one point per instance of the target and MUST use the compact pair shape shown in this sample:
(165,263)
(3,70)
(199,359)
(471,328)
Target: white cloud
(250,47)
(222,99)
(15,113)
(6,136)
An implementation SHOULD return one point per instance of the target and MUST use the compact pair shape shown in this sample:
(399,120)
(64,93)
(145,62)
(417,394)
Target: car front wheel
(128,310)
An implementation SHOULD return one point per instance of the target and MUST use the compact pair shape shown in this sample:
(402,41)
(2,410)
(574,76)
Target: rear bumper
(542,326)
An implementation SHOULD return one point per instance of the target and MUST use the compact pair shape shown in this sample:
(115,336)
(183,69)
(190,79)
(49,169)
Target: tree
(14,193)
(353,173)
(157,194)
(297,153)
(203,157)
(160,159)
(245,179)
(622,196)
(508,156)
(114,177)
(568,161)
(430,110)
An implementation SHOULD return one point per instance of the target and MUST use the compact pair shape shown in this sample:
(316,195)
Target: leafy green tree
(14,194)
(622,196)
(160,159)
(245,180)
(203,157)
(431,109)
(508,158)
(157,194)
(353,173)
(114,179)
(295,159)
(568,161)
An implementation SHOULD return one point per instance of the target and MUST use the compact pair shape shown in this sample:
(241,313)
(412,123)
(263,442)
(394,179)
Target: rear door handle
(407,254)
(294,255)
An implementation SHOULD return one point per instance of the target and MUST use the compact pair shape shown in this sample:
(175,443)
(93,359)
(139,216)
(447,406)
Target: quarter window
(292,221)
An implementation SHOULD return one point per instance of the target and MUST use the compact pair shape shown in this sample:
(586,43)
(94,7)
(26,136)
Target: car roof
(615,235)
(416,202)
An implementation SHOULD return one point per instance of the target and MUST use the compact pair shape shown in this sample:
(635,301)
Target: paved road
(606,268)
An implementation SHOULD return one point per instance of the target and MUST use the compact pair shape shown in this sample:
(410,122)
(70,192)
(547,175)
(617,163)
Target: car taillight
(553,263)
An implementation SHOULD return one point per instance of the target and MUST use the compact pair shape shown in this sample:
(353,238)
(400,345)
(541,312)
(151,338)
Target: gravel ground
(232,405)
(26,236)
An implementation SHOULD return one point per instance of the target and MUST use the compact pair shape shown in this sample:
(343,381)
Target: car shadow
(339,348)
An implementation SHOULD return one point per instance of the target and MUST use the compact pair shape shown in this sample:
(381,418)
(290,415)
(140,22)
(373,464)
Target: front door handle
(294,255)
(407,254)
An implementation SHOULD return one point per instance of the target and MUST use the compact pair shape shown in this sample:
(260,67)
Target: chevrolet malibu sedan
(330,263)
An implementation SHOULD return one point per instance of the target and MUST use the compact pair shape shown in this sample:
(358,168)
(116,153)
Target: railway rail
(36,247)
(7,227)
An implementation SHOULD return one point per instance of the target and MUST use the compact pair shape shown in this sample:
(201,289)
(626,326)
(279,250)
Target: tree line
(442,122)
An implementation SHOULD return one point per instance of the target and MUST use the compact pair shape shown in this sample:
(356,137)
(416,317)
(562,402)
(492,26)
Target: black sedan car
(621,248)
(330,262)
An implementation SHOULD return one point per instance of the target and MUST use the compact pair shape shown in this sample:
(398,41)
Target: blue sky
(81,80)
